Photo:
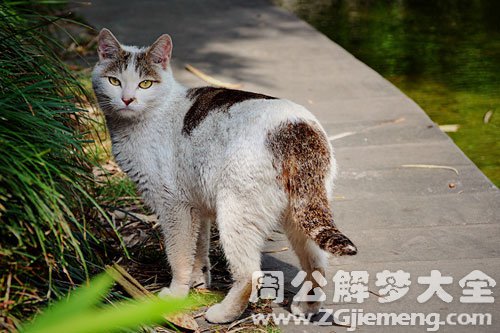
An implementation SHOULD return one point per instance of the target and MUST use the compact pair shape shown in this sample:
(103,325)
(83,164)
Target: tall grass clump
(45,176)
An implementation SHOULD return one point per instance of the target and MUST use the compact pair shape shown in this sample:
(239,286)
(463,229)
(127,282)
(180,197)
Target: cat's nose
(127,101)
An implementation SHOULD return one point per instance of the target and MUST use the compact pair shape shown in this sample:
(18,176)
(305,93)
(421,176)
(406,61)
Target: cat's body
(249,162)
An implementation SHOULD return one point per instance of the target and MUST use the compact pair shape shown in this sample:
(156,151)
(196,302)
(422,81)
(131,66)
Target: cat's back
(220,114)
(223,125)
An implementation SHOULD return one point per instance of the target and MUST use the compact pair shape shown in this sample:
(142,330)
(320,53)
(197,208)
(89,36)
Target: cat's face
(128,81)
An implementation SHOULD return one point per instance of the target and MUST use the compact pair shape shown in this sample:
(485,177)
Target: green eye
(114,81)
(145,84)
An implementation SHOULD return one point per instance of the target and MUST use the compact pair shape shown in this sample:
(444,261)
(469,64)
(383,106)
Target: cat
(250,162)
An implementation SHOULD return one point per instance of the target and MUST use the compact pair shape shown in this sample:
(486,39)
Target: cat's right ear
(108,46)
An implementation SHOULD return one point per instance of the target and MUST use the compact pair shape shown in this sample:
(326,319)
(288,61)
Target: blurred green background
(443,54)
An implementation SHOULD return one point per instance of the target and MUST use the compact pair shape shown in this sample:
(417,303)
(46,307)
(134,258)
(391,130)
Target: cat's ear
(161,51)
(108,45)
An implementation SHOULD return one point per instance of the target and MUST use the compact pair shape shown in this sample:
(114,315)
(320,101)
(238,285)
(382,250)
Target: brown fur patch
(302,158)
(208,99)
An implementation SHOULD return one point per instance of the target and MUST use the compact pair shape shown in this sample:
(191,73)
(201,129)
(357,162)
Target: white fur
(222,171)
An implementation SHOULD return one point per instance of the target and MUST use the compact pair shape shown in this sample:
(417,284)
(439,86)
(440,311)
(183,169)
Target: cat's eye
(114,81)
(145,84)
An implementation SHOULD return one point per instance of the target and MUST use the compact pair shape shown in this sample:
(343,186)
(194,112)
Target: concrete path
(411,219)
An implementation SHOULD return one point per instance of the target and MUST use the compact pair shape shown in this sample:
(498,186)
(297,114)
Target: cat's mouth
(126,112)
(125,109)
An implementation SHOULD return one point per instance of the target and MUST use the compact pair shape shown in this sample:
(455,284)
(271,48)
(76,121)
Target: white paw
(218,314)
(305,308)
(178,292)
(165,293)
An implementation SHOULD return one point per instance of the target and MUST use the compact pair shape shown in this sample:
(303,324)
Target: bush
(44,174)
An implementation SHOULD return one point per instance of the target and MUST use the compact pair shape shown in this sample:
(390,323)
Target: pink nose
(127,101)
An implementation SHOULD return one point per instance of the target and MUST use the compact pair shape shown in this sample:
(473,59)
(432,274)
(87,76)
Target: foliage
(80,313)
(45,176)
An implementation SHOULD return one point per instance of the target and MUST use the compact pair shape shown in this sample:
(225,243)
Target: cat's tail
(301,156)
(314,217)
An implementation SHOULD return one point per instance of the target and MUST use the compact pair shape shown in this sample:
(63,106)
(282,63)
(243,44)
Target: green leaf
(80,313)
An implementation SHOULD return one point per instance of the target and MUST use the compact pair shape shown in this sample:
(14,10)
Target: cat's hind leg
(312,259)
(200,277)
(242,229)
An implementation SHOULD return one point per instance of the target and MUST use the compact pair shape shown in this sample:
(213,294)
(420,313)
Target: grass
(118,190)
(467,109)
(46,183)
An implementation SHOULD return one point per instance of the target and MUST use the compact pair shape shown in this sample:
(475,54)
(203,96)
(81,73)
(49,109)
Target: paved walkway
(413,219)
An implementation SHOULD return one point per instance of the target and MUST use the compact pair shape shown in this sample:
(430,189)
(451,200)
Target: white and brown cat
(250,162)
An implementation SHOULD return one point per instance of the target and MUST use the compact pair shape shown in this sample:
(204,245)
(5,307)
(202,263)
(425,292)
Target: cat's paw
(165,293)
(200,279)
(305,308)
(219,314)
(174,291)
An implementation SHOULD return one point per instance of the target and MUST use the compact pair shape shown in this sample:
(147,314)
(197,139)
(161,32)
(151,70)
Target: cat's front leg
(180,225)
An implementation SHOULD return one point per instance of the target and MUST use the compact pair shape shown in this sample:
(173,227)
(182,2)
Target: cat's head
(128,81)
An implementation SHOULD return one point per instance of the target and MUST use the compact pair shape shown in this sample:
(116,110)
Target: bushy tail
(314,217)
(302,158)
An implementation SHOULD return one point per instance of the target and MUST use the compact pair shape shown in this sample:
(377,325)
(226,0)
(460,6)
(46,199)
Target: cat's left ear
(161,50)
